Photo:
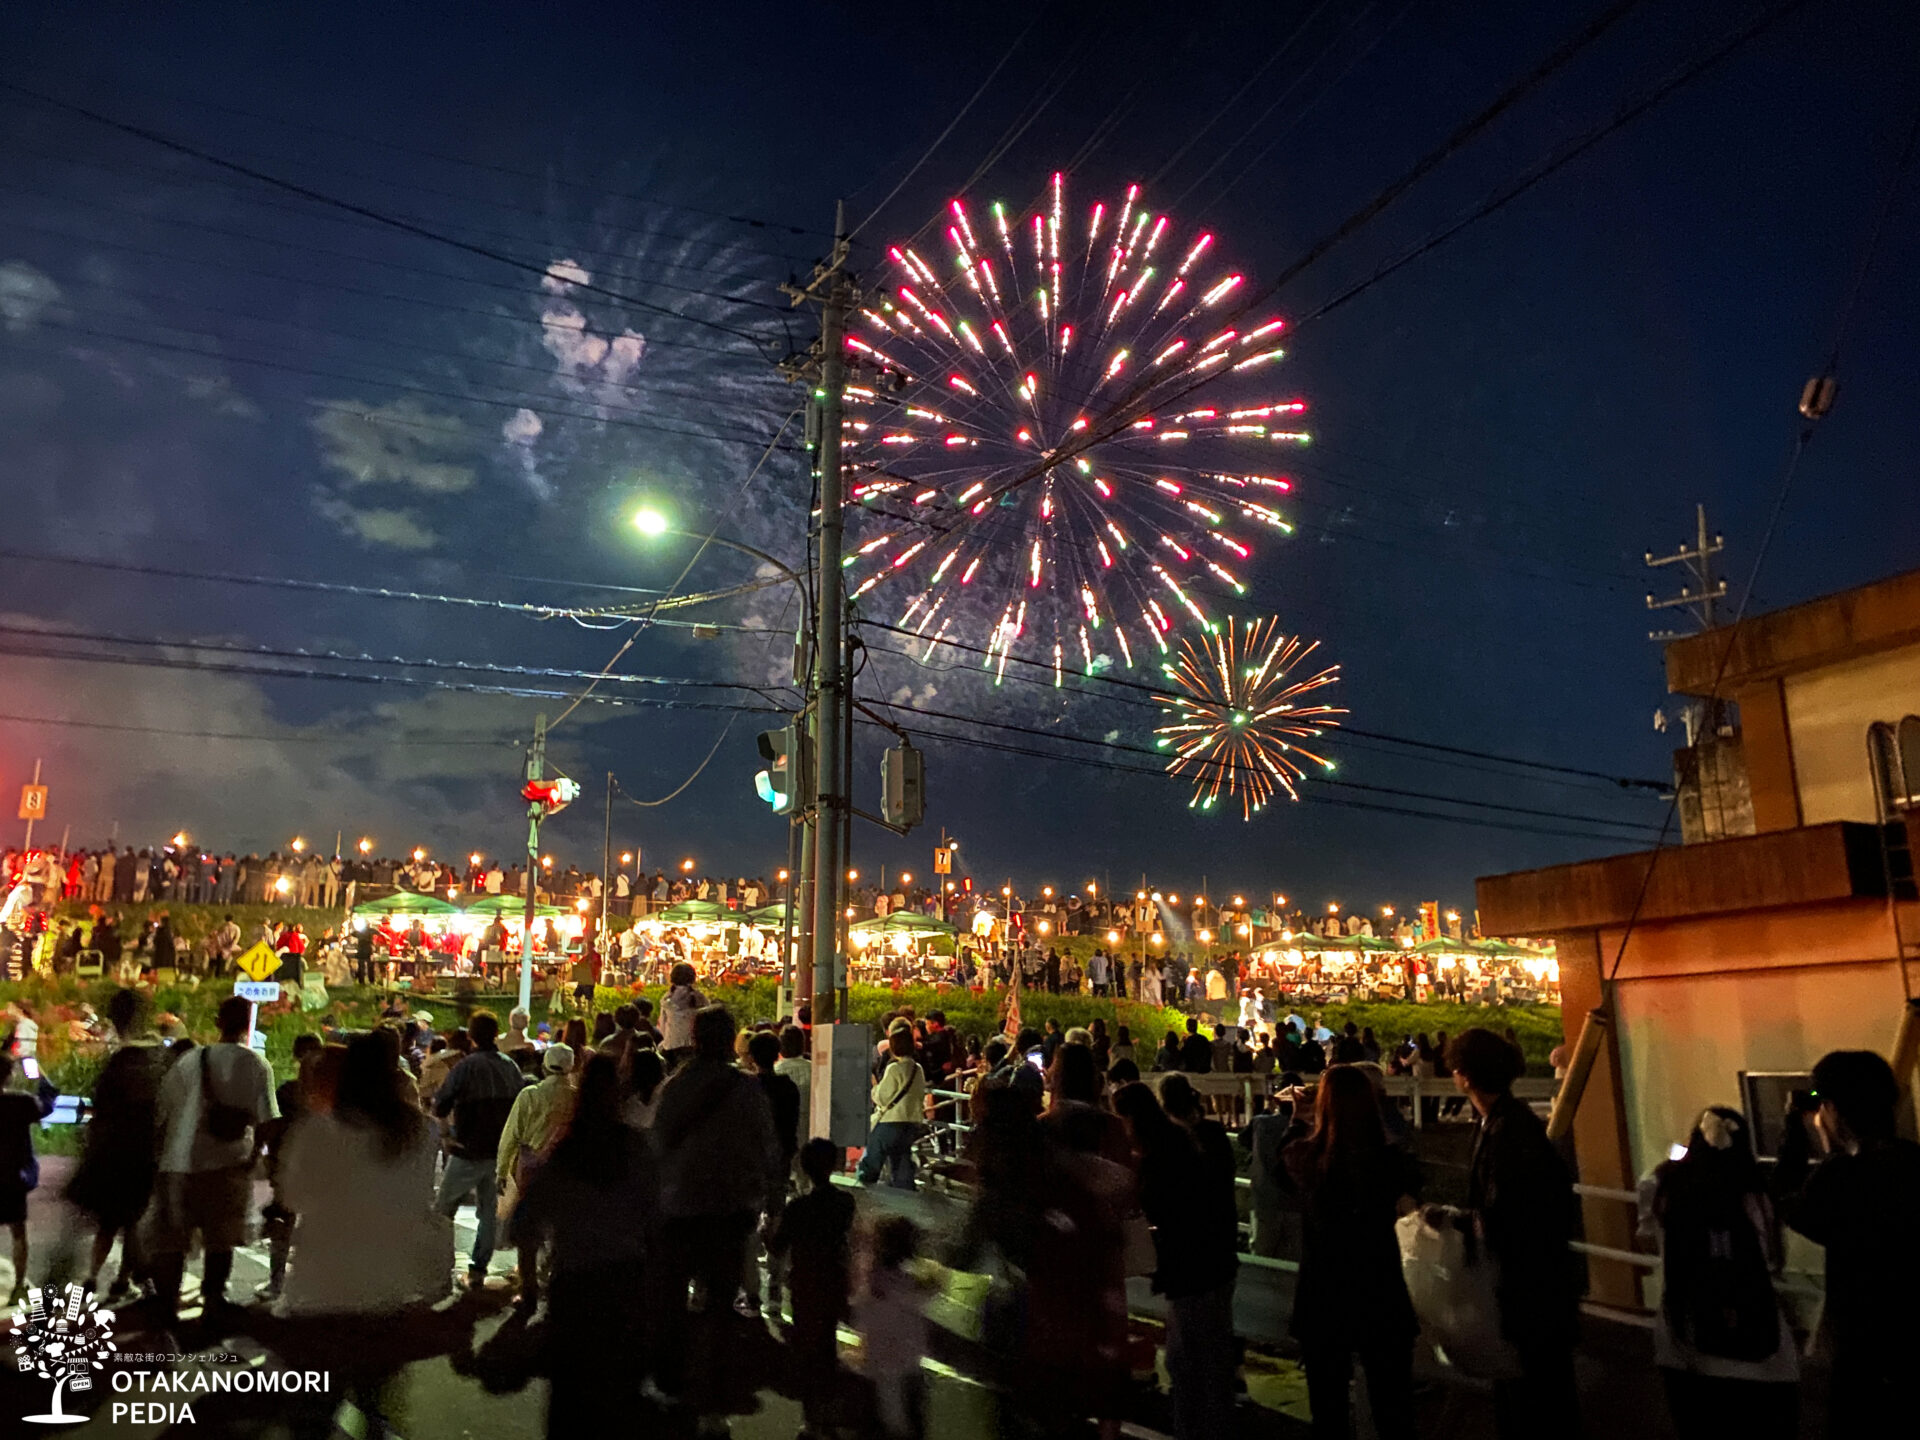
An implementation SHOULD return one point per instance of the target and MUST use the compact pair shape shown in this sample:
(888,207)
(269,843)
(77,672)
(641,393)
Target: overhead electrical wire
(388,143)
(319,197)
(148,216)
(545,407)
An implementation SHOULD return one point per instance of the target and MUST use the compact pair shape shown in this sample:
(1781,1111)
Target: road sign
(259,962)
(258,991)
(942,860)
(33,802)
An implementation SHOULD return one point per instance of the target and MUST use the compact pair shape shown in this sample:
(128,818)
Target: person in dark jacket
(1196,1052)
(1522,1197)
(165,956)
(1351,1300)
(478,1093)
(783,1102)
(1860,1203)
(1186,1172)
(114,1180)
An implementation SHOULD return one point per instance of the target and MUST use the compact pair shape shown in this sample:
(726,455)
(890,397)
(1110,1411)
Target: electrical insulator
(1817,399)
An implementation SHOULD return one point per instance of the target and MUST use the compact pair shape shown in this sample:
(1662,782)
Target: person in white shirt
(208,1106)
(496,880)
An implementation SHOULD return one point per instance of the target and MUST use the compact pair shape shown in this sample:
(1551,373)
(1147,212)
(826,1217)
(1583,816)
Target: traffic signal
(784,782)
(903,786)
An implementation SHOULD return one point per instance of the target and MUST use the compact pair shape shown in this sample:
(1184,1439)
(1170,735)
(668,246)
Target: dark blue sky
(201,374)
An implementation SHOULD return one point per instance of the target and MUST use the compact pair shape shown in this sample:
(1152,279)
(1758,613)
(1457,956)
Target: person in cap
(540,1113)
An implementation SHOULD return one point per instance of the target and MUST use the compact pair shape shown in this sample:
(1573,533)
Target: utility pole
(606,869)
(832,290)
(1697,597)
(536,770)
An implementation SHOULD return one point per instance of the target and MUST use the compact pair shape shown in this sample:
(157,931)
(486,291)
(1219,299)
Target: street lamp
(366,845)
(1113,937)
(686,867)
(906,877)
(852,875)
(1044,927)
(1387,910)
(782,877)
(179,838)
(626,857)
(419,854)
(546,862)
(297,845)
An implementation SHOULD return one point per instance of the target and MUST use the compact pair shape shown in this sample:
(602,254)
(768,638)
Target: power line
(309,282)
(383,738)
(535,672)
(385,143)
(647,702)
(531,400)
(1148,689)
(405,227)
(544,408)
(1567,153)
(373,592)
(1205,767)
(417,682)
(238,193)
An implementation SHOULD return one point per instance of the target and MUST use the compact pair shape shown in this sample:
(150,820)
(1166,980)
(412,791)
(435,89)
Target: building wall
(1701,1000)
(1828,712)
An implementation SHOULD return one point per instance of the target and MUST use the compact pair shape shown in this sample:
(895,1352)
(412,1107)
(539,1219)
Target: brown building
(1750,956)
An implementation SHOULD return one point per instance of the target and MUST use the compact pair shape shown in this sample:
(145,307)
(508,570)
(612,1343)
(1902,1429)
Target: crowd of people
(657,1177)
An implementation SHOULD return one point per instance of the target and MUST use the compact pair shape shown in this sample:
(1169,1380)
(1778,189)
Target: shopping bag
(1452,1281)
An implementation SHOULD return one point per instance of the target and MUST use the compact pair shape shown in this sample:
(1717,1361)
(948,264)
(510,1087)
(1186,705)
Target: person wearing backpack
(1726,1353)
(209,1103)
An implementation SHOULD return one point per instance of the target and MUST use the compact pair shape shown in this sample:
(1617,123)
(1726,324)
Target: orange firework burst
(1239,717)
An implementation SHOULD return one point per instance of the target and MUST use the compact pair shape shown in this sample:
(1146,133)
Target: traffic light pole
(536,770)
(831,707)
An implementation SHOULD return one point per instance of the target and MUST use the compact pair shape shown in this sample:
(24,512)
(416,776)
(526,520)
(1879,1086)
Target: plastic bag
(1451,1280)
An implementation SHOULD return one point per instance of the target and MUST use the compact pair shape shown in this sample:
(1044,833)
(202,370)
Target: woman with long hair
(367,1249)
(592,1204)
(1724,1350)
(1351,1301)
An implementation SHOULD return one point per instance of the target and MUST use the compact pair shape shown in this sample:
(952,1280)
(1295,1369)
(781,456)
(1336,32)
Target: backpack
(226,1123)
(1719,1295)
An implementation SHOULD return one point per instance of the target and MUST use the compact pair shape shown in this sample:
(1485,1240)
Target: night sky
(199,373)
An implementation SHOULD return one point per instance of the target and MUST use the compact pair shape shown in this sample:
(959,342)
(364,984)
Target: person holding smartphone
(1859,1202)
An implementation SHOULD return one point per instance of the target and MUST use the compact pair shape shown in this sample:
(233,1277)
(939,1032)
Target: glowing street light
(1239,902)
(1007,891)
(852,875)
(1387,910)
(475,858)
(179,838)
(686,867)
(546,862)
(782,876)
(1113,937)
(1044,927)
(1158,938)
(366,845)
(419,854)
(1171,899)
(906,877)
(650,522)
(1047,890)
(583,904)
(282,886)
(1333,907)
(1206,937)
(1139,894)
(1092,888)
(297,844)
(626,857)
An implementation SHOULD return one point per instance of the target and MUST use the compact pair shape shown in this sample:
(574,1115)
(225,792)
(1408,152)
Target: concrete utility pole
(831,288)
(536,770)
(1699,596)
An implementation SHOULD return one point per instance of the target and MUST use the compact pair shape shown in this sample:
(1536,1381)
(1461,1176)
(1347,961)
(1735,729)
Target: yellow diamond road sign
(259,962)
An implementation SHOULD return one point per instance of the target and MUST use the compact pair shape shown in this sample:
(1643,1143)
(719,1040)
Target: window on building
(1894,752)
